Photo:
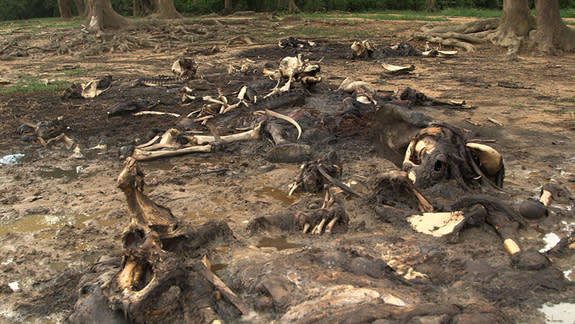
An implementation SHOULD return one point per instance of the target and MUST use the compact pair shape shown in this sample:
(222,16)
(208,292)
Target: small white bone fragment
(396,69)
(159,113)
(436,224)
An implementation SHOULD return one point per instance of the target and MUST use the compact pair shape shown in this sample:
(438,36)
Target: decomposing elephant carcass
(87,90)
(162,277)
(440,152)
(294,69)
(46,132)
(362,49)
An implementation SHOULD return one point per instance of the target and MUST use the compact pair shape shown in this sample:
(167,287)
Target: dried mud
(61,215)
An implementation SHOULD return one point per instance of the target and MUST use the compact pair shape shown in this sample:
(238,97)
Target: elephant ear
(393,128)
(489,161)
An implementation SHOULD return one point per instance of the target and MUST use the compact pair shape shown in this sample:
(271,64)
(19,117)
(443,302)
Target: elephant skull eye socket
(438,166)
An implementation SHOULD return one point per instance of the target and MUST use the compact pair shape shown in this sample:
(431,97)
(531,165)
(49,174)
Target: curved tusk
(286,118)
(490,159)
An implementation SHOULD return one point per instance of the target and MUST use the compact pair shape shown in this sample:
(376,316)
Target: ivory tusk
(290,120)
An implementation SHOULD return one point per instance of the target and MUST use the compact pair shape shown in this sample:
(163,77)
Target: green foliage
(27,9)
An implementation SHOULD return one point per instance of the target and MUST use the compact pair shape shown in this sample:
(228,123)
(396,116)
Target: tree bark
(101,15)
(430,6)
(82,6)
(552,35)
(65,9)
(165,9)
(290,4)
(515,24)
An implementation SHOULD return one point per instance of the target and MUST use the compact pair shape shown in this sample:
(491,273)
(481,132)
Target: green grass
(385,15)
(29,84)
(471,12)
(40,24)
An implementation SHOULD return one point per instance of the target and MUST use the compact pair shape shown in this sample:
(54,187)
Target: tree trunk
(165,9)
(291,6)
(552,35)
(101,15)
(82,6)
(515,23)
(65,9)
(430,6)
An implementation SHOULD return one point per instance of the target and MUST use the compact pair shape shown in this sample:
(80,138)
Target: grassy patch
(29,84)
(385,15)
(40,24)
(471,12)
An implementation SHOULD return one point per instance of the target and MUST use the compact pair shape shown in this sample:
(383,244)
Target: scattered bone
(270,113)
(437,224)
(170,143)
(292,42)
(348,85)
(397,69)
(185,67)
(362,49)
(401,49)
(494,121)
(88,90)
(159,113)
(131,107)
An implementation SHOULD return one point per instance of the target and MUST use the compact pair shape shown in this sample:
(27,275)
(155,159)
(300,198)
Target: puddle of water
(275,194)
(279,243)
(57,173)
(563,313)
(37,222)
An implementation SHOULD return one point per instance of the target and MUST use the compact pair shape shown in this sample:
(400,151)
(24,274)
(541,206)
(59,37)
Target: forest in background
(26,9)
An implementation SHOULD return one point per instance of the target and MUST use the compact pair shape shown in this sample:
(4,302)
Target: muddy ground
(60,214)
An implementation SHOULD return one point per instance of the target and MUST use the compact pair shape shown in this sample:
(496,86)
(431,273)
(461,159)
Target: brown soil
(59,215)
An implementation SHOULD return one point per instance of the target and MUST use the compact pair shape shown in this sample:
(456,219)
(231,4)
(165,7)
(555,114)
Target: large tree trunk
(430,6)
(166,9)
(101,15)
(82,6)
(552,35)
(515,23)
(65,9)
(291,6)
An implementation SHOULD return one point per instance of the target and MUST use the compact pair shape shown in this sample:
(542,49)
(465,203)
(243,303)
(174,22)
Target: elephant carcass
(162,277)
(440,152)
